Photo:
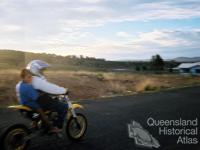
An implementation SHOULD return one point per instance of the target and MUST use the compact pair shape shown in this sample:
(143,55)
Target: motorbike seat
(24,108)
(20,107)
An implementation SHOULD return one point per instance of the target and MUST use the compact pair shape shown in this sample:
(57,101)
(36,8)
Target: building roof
(188,65)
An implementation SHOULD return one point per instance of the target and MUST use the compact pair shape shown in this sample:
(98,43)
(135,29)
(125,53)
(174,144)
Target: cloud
(10,28)
(85,13)
(168,43)
(123,34)
(63,26)
(163,38)
(90,1)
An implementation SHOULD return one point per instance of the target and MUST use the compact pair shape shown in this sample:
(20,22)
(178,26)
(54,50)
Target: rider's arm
(47,87)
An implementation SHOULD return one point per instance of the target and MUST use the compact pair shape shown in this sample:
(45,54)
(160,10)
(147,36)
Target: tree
(157,63)
(144,68)
(137,68)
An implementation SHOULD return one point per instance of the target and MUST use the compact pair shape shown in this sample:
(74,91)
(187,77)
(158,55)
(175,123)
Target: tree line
(18,59)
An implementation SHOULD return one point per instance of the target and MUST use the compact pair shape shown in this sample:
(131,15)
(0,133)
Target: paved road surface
(108,119)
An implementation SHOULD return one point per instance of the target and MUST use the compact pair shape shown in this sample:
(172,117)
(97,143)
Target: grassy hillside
(11,59)
(17,59)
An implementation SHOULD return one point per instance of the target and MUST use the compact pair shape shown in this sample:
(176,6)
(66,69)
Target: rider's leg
(44,118)
(61,109)
(48,103)
(36,107)
(46,121)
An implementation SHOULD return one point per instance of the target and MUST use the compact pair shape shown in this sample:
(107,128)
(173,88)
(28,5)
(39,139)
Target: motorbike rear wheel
(14,139)
(76,127)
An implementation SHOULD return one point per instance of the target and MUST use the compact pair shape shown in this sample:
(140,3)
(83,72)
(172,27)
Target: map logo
(141,136)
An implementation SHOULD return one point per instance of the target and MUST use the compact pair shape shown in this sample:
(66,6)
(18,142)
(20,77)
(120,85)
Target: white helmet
(36,67)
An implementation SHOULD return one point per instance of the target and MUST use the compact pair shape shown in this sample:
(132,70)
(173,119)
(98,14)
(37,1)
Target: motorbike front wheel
(76,127)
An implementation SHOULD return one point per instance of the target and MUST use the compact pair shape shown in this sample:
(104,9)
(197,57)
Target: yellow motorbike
(19,136)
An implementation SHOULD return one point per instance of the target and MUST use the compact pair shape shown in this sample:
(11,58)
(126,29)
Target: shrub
(146,85)
(100,77)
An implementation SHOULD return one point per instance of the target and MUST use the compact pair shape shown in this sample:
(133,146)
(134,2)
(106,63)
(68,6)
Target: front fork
(73,113)
(70,106)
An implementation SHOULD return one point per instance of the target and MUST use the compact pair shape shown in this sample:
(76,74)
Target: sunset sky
(110,29)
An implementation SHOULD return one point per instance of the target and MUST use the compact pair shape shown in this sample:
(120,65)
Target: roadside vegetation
(92,85)
(91,78)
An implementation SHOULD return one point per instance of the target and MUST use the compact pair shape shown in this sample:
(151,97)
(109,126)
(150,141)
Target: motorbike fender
(74,106)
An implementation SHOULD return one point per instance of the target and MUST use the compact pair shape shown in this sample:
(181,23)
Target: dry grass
(91,85)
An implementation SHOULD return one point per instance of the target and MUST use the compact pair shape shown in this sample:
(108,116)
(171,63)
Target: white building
(189,68)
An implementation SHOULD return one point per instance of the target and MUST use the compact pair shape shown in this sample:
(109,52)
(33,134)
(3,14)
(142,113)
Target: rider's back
(26,92)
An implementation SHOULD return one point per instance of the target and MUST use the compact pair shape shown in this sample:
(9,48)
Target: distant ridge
(10,59)
(187,59)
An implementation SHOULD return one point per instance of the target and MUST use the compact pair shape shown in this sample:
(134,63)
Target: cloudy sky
(111,29)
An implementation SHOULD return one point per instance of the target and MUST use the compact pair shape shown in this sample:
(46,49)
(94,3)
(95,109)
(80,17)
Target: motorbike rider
(46,89)
(28,96)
